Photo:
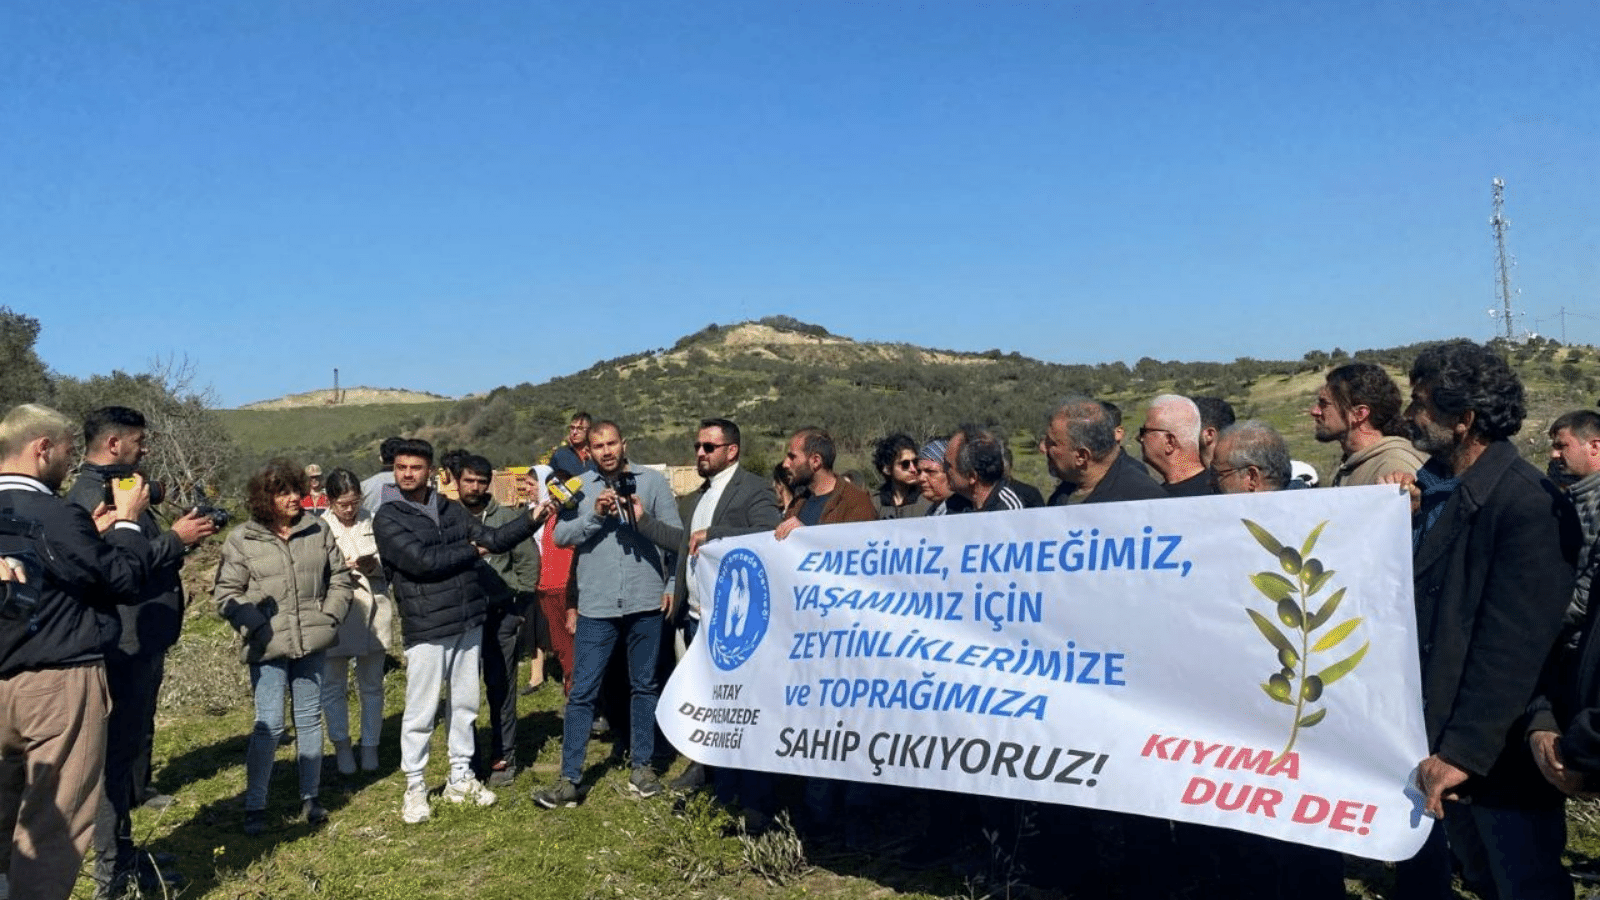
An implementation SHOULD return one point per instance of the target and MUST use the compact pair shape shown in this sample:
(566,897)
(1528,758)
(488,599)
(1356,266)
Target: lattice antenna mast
(1502,259)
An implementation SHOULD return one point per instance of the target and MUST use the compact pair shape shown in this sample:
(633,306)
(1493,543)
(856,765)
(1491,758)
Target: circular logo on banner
(742,608)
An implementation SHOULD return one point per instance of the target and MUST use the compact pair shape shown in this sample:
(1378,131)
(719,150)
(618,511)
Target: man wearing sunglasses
(731,501)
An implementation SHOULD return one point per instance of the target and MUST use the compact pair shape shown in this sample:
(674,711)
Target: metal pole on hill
(1500,223)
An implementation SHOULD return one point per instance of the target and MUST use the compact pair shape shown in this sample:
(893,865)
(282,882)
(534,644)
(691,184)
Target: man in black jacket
(53,635)
(433,552)
(731,502)
(1494,543)
(115,441)
(1081,448)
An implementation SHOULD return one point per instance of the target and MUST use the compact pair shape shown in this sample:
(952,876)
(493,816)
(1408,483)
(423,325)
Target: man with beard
(1081,448)
(1494,543)
(510,584)
(820,496)
(432,550)
(732,501)
(623,589)
(53,635)
(115,438)
(1358,406)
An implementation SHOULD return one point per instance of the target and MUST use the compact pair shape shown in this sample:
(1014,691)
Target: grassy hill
(776,375)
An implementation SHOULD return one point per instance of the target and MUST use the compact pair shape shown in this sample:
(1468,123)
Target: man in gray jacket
(623,589)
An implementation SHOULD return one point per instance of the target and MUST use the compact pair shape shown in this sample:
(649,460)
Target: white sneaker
(414,808)
(469,788)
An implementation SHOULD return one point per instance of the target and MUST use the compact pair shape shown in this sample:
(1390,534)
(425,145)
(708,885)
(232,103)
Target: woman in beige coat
(366,632)
(284,586)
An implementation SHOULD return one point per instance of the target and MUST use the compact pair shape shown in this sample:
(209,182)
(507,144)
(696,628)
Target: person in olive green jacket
(284,586)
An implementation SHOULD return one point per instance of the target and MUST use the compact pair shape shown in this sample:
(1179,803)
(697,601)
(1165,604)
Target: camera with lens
(20,600)
(218,516)
(124,474)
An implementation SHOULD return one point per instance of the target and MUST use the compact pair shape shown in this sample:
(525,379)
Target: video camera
(124,474)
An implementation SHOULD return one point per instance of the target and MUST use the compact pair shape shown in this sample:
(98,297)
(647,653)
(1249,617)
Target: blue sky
(455,196)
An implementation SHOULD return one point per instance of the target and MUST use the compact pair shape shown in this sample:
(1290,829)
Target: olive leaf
(1270,631)
(1265,539)
(1326,610)
(1274,586)
(1316,583)
(1344,666)
(1339,633)
(1298,639)
(1311,539)
(1284,699)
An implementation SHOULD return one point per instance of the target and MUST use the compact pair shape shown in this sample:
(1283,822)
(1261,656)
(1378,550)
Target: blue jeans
(592,646)
(301,679)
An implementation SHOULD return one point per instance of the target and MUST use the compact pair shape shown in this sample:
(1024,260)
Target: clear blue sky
(455,196)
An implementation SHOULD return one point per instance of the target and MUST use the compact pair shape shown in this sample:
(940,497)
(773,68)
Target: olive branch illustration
(1295,685)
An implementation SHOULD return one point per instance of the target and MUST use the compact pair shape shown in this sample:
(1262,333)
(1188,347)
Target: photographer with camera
(53,635)
(115,440)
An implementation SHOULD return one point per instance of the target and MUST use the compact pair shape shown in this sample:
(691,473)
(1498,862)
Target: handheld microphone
(564,487)
(626,487)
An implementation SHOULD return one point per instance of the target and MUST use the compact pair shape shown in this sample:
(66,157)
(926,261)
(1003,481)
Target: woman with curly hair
(284,586)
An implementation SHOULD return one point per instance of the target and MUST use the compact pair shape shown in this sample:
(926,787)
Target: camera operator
(115,442)
(53,695)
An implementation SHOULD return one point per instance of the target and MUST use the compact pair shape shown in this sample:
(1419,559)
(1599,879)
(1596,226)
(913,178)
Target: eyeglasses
(1217,475)
(908,465)
(1144,431)
(707,447)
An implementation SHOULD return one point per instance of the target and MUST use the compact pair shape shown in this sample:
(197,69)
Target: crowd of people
(597,568)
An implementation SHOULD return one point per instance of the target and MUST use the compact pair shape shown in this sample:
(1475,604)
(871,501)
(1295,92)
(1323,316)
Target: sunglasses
(707,447)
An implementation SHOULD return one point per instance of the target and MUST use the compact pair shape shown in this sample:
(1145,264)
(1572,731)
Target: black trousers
(134,683)
(502,650)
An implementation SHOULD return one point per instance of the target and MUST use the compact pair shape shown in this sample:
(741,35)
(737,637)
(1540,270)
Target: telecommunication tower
(1503,260)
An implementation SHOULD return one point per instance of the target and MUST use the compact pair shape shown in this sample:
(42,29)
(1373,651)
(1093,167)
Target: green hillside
(778,374)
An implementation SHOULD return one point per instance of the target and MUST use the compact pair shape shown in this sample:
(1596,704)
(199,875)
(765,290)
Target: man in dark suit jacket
(732,501)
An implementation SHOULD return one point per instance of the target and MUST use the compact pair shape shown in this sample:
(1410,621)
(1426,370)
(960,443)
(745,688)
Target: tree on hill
(23,376)
(189,449)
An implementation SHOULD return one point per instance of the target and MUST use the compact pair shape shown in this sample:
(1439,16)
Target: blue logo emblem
(741,610)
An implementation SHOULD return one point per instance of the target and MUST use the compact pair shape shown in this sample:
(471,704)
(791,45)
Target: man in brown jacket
(820,496)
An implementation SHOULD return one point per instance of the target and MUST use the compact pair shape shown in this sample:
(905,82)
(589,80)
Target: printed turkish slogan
(1245,661)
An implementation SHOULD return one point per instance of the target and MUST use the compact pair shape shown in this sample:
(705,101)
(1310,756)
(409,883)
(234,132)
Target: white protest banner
(1245,661)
